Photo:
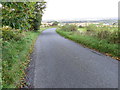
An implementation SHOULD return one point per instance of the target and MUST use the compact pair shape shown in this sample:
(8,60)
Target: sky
(80,9)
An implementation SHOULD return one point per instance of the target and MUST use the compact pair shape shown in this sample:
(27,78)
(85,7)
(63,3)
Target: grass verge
(15,58)
(94,43)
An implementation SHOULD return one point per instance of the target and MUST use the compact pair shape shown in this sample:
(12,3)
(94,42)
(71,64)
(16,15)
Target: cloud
(76,9)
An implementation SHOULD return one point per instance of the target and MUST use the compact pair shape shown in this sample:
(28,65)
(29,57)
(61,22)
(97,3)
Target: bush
(103,34)
(80,26)
(91,27)
(10,34)
(108,33)
(68,27)
(114,37)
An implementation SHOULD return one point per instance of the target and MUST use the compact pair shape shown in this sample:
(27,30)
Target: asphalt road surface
(61,63)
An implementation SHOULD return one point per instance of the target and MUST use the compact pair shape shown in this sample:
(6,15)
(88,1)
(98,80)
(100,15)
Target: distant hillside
(110,21)
(98,21)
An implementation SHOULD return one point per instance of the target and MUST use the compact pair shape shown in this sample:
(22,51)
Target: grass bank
(15,58)
(94,43)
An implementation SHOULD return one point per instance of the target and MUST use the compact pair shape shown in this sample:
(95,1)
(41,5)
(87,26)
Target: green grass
(15,58)
(51,27)
(0,79)
(0,62)
(111,29)
(91,42)
(81,29)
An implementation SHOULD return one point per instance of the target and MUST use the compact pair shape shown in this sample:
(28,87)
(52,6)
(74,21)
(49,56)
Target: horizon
(85,19)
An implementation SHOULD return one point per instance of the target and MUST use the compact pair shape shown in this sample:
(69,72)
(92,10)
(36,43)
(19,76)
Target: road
(62,63)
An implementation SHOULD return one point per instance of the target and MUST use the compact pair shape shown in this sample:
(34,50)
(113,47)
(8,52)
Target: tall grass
(68,27)
(15,58)
(99,38)
(104,33)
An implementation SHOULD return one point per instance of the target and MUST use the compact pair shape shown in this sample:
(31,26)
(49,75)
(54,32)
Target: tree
(39,8)
(20,15)
(55,23)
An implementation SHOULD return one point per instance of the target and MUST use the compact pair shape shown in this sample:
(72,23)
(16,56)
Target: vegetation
(107,33)
(20,27)
(10,34)
(15,58)
(68,27)
(55,23)
(22,15)
(39,7)
(19,21)
(103,39)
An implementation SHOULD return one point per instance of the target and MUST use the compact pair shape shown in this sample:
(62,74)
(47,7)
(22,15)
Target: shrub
(80,26)
(103,34)
(91,27)
(68,27)
(114,37)
(10,34)
(108,33)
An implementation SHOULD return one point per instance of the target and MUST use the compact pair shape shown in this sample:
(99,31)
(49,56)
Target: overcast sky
(80,9)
